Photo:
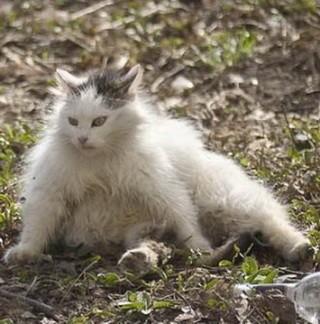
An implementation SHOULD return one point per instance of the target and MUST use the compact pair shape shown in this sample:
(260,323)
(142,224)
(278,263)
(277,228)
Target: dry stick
(42,307)
(33,283)
(175,291)
(283,106)
(244,318)
(88,267)
(91,9)
(73,39)
(163,77)
(222,298)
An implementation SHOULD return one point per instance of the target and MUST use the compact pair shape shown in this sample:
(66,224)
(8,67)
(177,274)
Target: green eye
(99,121)
(73,121)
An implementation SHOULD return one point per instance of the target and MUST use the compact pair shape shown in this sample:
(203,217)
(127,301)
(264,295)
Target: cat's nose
(83,139)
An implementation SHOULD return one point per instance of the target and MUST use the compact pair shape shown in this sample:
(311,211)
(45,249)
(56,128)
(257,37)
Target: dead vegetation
(246,71)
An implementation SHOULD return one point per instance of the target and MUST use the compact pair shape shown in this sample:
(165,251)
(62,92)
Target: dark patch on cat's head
(115,86)
(107,84)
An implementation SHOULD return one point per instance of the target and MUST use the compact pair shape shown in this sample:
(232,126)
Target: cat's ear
(132,80)
(68,81)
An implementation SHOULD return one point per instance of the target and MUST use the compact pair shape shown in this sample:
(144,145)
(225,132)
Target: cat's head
(95,108)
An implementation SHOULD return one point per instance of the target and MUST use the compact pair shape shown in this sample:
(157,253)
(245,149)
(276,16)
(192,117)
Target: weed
(13,141)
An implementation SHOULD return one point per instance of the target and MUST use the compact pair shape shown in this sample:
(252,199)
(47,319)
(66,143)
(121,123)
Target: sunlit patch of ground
(247,72)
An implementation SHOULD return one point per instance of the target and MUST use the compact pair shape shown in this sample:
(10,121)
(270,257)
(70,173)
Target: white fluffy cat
(110,168)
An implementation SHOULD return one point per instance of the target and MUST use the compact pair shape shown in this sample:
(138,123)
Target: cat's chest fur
(103,203)
(102,216)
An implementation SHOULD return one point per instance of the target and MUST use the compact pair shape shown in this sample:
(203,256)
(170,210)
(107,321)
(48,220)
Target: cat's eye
(99,121)
(73,121)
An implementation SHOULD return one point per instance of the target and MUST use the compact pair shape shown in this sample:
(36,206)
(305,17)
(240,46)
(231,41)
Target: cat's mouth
(87,147)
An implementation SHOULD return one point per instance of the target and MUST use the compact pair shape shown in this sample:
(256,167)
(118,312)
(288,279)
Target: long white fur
(146,169)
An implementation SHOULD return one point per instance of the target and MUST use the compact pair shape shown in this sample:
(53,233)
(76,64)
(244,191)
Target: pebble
(181,83)
(28,315)
(302,141)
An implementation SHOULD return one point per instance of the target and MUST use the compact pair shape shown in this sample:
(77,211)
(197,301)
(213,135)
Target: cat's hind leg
(243,205)
(281,234)
(256,210)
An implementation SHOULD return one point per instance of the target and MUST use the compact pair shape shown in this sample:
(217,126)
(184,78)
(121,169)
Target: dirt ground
(246,71)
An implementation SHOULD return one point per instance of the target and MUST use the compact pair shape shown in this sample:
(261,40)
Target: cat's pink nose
(83,139)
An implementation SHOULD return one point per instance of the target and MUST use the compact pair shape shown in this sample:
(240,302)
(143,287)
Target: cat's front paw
(302,250)
(20,253)
(138,261)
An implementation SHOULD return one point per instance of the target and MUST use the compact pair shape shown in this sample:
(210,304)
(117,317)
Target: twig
(77,279)
(221,298)
(42,307)
(298,273)
(33,283)
(91,9)
(245,317)
(77,41)
(115,24)
(182,297)
(167,75)
(283,108)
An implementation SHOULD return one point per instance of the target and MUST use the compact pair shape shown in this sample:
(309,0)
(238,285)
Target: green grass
(226,48)
(13,142)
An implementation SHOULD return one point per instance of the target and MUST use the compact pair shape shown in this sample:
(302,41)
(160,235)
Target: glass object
(305,294)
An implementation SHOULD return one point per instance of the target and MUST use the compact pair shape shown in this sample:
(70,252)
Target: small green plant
(228,47)
(6,321)
(302,6)
(82,319)
(253,274)
(211,284)
(109,279)
(143,302)
(95,313)
(214,304)
(13,141)
(9,211)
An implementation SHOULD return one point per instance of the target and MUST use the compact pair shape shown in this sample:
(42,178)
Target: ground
(247,73)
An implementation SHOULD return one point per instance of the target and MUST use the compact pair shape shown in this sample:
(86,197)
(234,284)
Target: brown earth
(253,88)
